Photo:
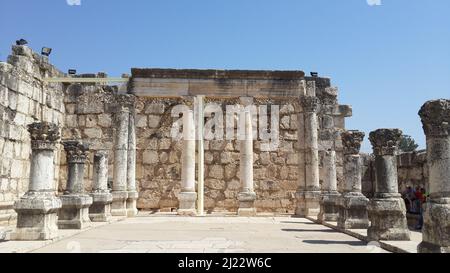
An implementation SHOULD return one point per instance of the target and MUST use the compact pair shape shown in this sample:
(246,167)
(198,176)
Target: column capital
(385,141)
(435,117)
(76,151)
(124,102)
(351,140)
(310,104)
(100,155)
(44,135)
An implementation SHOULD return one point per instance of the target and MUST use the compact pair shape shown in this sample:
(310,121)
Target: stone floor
(171,234)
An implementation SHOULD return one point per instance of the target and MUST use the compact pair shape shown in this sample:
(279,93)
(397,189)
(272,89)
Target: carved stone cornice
(385,141)
(44,135)
(76,151)
(310,104)
(435,117)
(351,140)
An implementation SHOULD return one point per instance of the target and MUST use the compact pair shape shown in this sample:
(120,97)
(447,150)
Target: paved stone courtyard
(169,234)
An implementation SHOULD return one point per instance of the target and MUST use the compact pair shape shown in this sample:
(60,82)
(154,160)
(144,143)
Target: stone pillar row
(188,196)
(40,212)
(385,214)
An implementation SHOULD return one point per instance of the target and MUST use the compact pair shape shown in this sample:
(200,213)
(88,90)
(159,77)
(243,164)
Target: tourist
(423,198)
(408,196)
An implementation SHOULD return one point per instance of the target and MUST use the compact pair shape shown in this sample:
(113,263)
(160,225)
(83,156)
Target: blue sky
(387,60)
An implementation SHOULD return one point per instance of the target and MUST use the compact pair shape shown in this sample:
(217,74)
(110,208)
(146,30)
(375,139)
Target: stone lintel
(216,83)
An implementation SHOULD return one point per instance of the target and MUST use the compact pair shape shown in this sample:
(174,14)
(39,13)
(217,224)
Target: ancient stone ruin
(79,150)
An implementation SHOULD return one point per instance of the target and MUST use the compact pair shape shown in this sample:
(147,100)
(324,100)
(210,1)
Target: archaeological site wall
(24,98)
(277,174)
(413,170)
(88,112)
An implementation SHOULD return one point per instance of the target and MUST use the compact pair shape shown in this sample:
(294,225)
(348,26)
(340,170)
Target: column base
(119,203)
(308,203)
(100,211)
(329,207)
(388,220)
(131,204)
(353,211)
(36,217)
(436,235)
(187,202)
(74,213)
(247,204)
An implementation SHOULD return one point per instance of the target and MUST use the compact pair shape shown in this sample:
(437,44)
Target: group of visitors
(415,200)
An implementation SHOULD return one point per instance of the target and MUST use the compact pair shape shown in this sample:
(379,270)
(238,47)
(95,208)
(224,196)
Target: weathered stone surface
(100,210)
(435,117)
(353,204)
(387,210)
(329,202)
(74,213)
(351,141)
(388,220)
(36,210)
(89,110)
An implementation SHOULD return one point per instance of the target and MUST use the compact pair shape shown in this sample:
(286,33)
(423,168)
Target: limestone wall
(277,174)
(411,167)
(89,118)
(412,170)
(24,99)
(85,112)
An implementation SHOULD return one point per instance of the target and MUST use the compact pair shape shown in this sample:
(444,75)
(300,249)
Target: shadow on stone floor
(308,230)
(328,242)
(292,222)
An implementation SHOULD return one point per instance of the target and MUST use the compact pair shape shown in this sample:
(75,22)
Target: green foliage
(408,144)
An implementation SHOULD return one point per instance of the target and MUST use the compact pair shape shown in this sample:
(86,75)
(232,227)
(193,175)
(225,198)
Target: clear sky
(387,59)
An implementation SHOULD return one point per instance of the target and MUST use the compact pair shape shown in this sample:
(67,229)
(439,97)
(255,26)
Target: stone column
(435,117)
(37,209)
(352,204)
(308,195)
(119,192)
(247,196)
(329,203)
(100,211)
(188,197)
(131,167)
(387,210)
(74,213)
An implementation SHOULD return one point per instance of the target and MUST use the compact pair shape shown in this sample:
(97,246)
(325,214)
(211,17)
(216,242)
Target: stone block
(104,120)
(93,133)
(153,121)
(155,108)
(150,157)
(387,220)
(74,213)
(216,171)
(36,218)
